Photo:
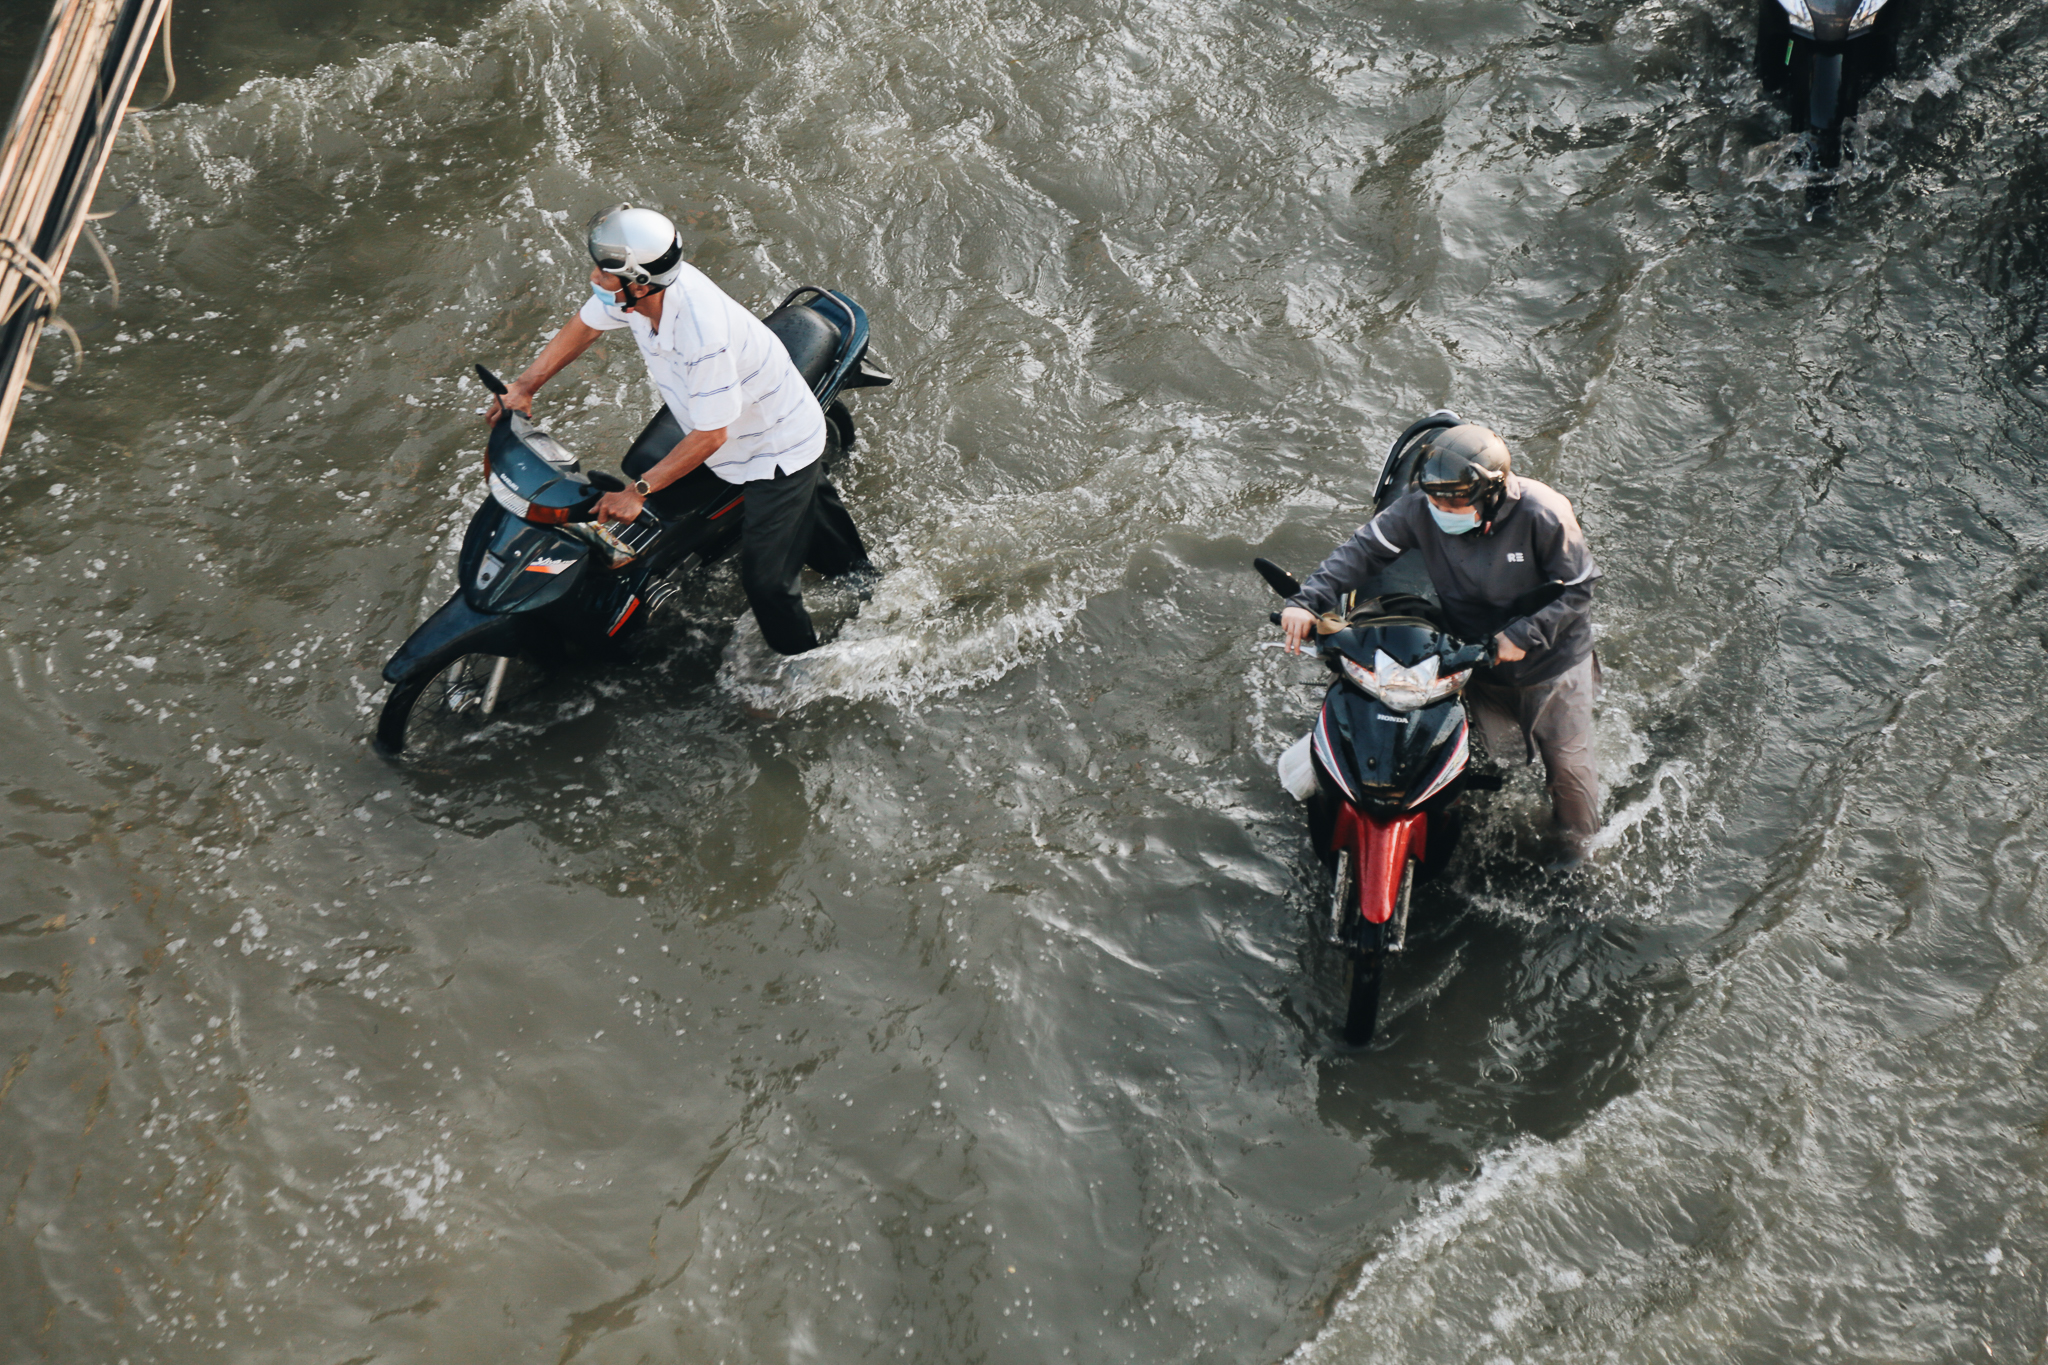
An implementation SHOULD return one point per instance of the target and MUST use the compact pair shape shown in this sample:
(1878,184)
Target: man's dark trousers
(792,520)
(786,522)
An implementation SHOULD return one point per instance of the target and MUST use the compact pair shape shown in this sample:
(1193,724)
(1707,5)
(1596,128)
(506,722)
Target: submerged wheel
(841,422)
(1363,1010)
(442,710)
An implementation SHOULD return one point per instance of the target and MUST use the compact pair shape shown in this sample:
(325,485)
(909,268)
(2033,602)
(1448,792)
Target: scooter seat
(811,339)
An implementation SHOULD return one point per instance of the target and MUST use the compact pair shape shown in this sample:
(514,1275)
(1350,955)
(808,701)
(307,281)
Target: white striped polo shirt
(716,365)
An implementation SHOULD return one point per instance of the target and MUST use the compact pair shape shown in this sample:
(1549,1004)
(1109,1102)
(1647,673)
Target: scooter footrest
(658,592)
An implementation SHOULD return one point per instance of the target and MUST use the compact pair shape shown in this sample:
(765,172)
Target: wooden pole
(51,159)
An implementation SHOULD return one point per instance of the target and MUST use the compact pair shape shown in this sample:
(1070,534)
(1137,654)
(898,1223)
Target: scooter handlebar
(1468,657)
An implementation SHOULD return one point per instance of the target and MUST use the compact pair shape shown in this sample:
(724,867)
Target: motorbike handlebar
(1467,656)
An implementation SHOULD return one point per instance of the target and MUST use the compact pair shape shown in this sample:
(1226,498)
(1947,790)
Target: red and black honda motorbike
(1389,757)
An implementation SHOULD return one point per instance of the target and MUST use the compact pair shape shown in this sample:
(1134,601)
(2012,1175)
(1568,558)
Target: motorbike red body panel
(1380,849)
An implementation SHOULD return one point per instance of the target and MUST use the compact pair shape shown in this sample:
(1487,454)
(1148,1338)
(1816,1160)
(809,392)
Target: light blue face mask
(608,297)
(1454,523)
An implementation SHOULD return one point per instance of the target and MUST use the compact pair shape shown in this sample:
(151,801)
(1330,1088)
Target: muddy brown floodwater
(948,998)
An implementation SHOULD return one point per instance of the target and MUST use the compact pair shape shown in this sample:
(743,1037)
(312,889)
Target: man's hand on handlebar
(1507,651)
(517,397)
(1296,623)
(624,505)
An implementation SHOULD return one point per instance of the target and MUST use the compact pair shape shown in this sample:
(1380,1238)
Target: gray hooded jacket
(1535,539)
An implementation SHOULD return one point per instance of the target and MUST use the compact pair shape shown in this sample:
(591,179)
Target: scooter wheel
(443,710)
(841,422)
(1362,1013)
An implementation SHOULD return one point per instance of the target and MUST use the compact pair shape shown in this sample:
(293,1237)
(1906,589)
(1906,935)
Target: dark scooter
(541,581)
(1819,57)
(1391,750)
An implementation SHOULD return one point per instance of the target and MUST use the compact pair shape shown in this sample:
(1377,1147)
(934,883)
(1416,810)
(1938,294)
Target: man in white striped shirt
(731,400)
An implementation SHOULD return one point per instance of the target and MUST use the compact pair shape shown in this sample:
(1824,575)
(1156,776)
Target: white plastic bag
(1298,769)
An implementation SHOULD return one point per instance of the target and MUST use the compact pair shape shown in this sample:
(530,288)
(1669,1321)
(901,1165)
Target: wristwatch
(641,487)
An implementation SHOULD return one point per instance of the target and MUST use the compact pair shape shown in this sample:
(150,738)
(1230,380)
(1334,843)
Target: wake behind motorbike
(1388,761)
(539,580)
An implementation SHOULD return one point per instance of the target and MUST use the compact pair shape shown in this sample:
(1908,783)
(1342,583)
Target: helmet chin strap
(1496,492)
(626,288)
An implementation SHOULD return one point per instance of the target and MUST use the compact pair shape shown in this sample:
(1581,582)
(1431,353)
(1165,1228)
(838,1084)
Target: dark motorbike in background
(1388,761)
(539,581)
(1819,57)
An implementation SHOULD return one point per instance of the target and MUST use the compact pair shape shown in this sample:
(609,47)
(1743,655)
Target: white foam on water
(902,647)
(1397,1284)
(1668,797)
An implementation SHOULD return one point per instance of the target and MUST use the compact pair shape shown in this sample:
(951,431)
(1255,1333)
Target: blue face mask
(1454,523)
(609,298)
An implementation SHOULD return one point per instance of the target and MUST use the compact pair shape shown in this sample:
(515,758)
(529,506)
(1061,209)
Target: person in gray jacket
(1487,536)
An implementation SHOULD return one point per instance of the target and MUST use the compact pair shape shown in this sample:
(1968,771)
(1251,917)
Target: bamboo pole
(51,159)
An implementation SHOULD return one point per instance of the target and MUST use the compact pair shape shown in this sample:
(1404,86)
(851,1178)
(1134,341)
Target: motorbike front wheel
(441,711)
(1363,1011)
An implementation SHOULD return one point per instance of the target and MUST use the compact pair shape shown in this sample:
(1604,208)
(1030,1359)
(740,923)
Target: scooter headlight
(507,497)
(1865,16)
(1802,17)
(1400,687)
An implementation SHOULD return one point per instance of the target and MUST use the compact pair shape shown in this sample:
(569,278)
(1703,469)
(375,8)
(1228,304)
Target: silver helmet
(639,246)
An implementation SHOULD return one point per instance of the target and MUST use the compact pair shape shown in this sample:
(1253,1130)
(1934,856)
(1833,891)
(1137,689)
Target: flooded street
(948,994)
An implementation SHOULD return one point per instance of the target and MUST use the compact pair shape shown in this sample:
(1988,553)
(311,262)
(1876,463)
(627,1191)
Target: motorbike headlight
(502,492)
(1801,16)
(1865,15)
(1400,687)
(508,498)
(540,443)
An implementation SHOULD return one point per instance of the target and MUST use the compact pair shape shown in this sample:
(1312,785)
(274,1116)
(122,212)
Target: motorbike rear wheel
(441,711)
(1363,1010)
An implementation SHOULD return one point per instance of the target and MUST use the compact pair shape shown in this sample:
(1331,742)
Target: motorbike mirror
(1277,578)
(492,382)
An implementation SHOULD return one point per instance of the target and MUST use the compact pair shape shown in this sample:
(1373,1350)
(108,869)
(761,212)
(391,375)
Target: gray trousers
(1553,719)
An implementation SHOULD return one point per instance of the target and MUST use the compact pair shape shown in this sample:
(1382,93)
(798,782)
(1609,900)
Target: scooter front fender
(1824,91)
(1380,850)
(456,629)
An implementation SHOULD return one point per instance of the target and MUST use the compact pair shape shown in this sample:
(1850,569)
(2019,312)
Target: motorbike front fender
(456,629)
(1824,91)
(1380,850)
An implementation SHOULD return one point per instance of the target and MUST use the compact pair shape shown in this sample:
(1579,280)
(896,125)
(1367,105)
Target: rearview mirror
(1277,578)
